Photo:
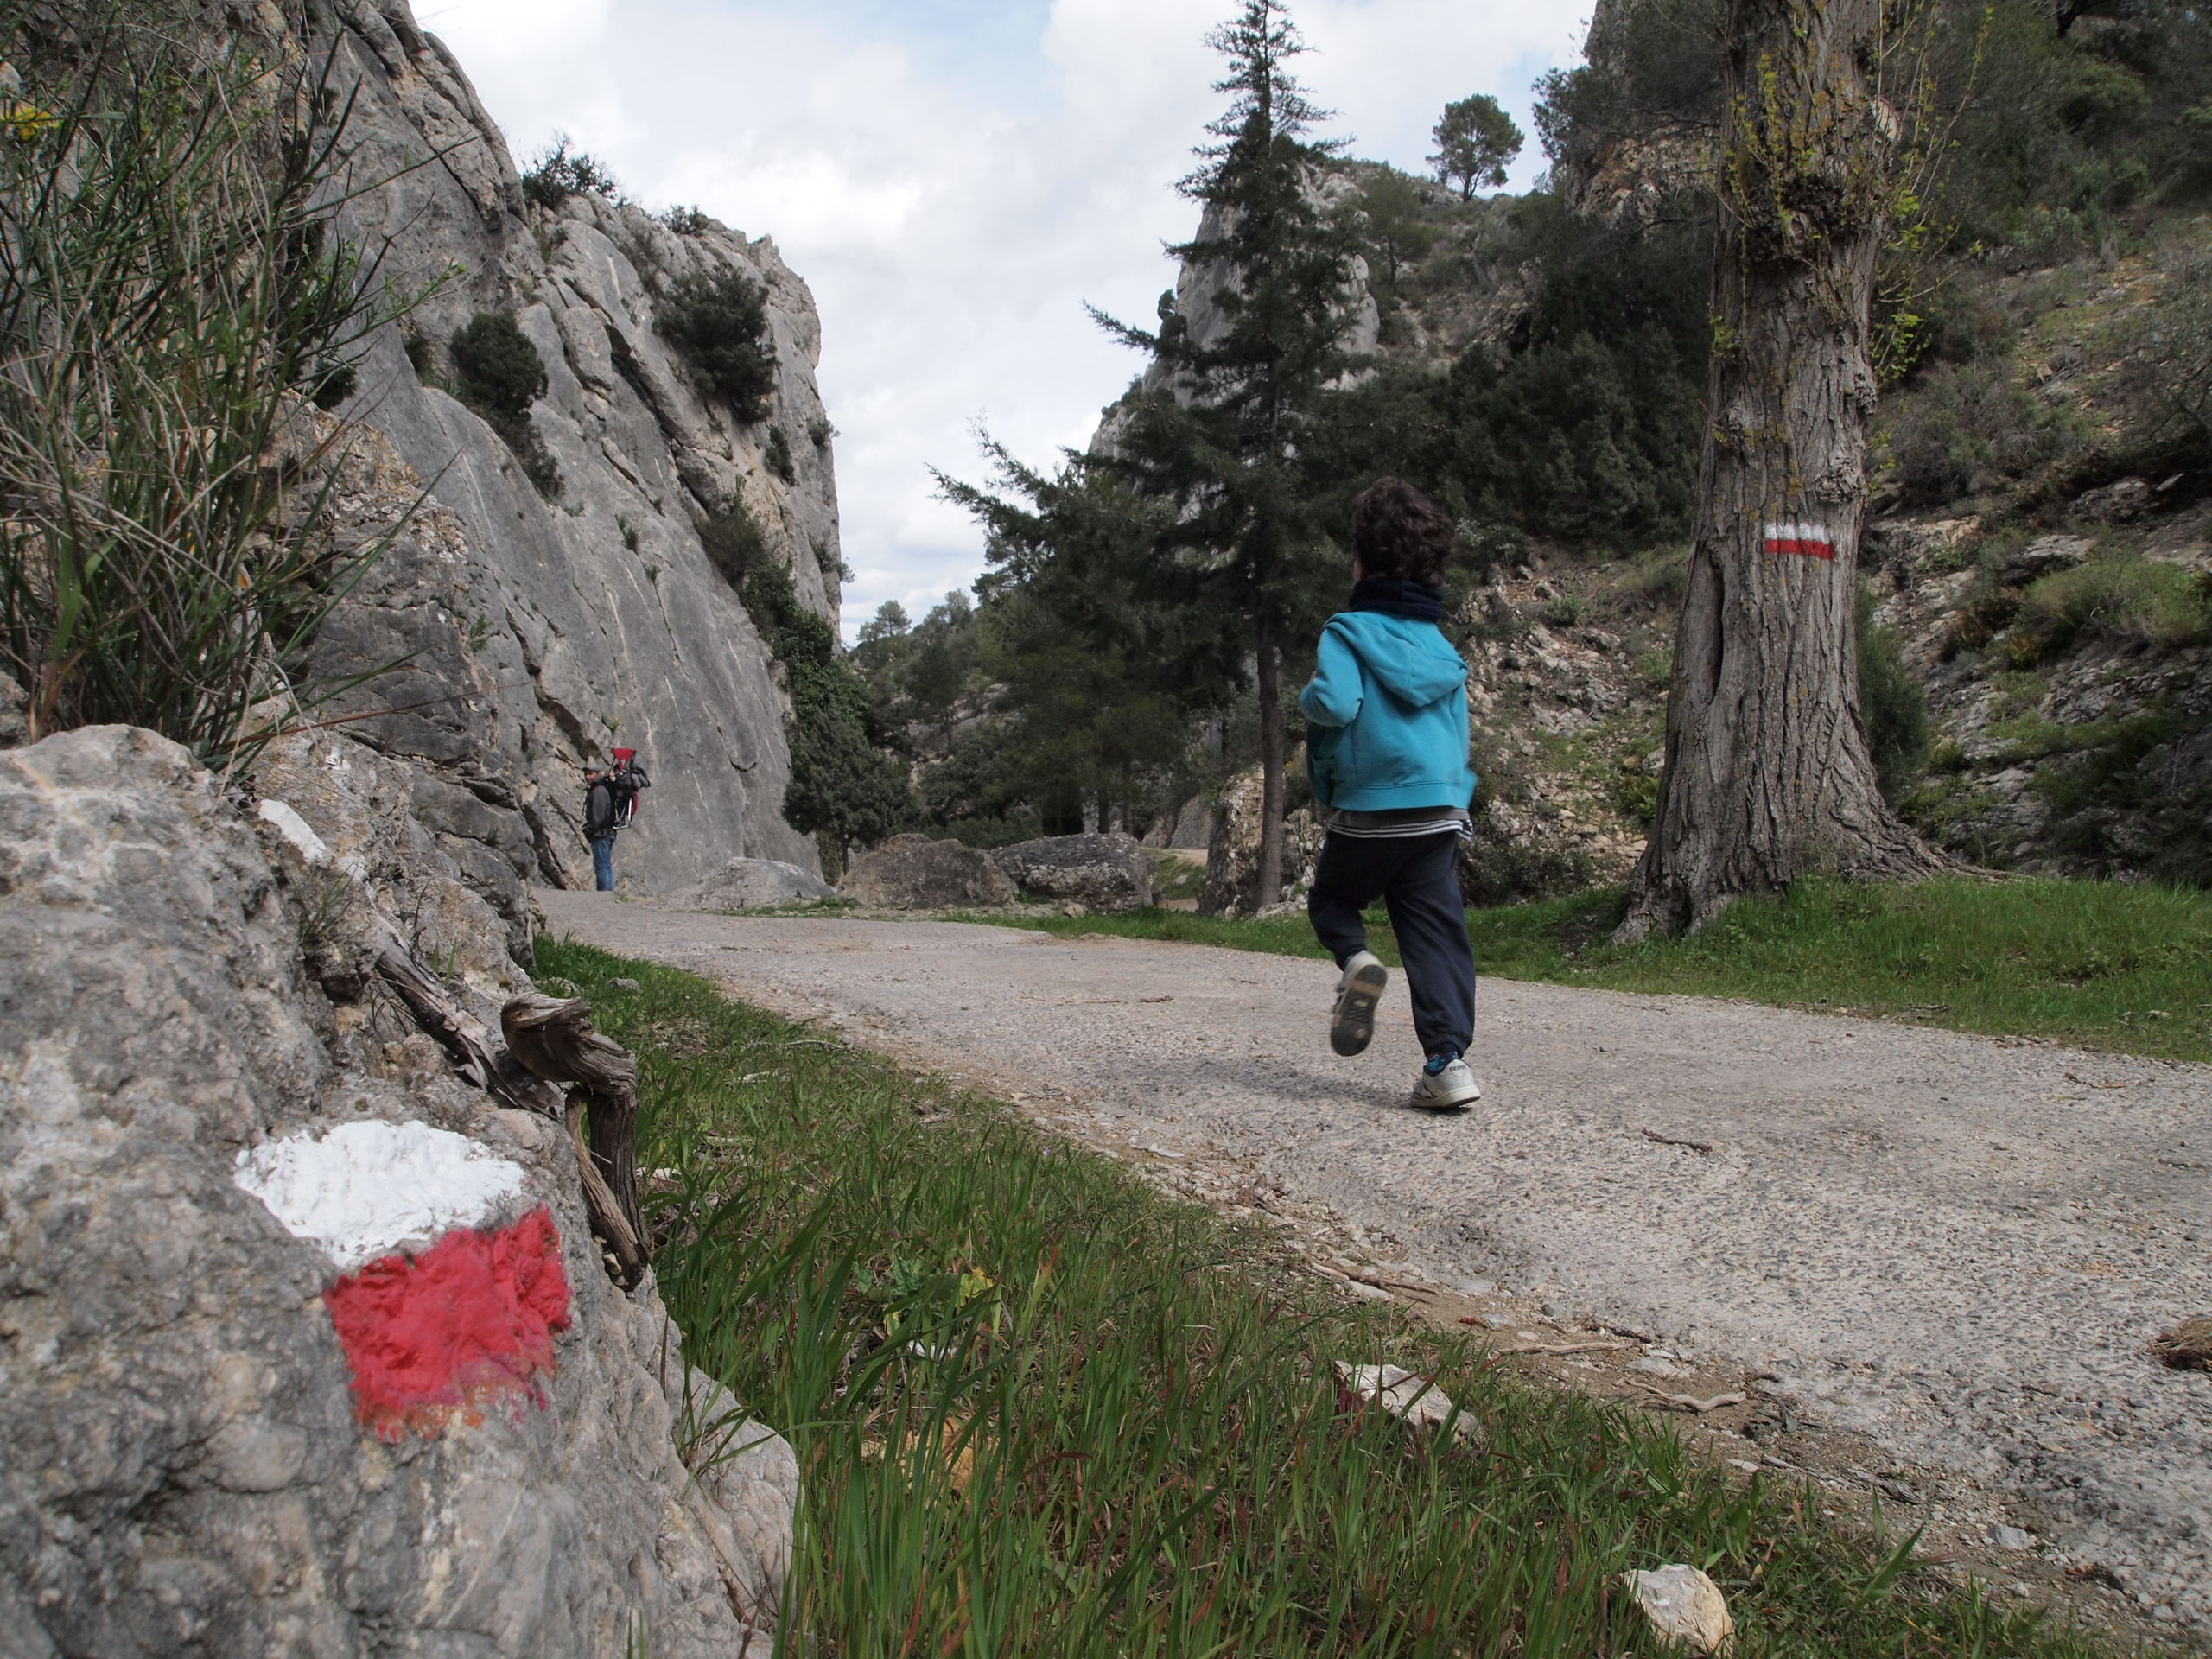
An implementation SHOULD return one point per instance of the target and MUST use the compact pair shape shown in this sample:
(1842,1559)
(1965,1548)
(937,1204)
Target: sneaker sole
(1444,1103)
(1352,1027)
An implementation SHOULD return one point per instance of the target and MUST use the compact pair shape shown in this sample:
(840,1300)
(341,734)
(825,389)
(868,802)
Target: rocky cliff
(543,625)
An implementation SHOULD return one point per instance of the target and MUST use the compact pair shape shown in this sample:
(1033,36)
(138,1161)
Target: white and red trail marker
(1800,540)
(443,1310)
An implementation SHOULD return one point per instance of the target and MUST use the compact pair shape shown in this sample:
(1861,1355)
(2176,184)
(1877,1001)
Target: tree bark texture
(1271,779)
(554,1040)
(1768,775)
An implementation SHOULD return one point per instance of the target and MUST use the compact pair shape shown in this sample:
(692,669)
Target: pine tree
(1219,431)
(1475,141)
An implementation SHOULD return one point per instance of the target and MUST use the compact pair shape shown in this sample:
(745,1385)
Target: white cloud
(954,178)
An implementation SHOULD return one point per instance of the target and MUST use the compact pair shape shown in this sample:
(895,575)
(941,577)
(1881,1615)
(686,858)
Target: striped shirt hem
(1404,824)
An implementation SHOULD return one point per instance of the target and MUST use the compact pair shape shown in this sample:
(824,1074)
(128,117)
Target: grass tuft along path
(2093,964)
(1042,1411)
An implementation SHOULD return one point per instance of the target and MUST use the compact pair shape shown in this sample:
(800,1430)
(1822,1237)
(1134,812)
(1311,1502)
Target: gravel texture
(1963,1249)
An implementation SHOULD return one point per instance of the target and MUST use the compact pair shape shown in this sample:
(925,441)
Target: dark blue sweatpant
(1417,879)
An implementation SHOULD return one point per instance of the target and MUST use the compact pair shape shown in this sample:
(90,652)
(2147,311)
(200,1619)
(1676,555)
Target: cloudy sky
(954,178)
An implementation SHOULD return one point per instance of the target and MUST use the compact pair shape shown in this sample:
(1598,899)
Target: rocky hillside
(2037,575)
(555,600)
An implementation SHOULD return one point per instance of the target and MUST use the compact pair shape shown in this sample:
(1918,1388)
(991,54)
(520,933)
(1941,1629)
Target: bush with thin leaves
(173,291)
(844,788)
(732,539)
(558,173)
(2121,597)
(1893,703)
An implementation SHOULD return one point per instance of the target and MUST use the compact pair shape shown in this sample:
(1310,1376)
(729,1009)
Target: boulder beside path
(914,873)
(1104,873)
(754,884)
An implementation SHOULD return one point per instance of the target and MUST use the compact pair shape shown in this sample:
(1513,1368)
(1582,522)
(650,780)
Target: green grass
(1176,877)
(1041,1411)
(2100,964)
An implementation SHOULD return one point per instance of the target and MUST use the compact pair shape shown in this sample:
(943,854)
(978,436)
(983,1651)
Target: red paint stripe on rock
(467,1324)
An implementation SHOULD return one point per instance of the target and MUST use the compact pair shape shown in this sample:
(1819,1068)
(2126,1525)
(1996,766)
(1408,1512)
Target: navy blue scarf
(1398,596)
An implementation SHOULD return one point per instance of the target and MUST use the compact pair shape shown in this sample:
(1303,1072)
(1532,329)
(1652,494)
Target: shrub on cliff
(2122,597)
(500,376)
(1971,427)
(732,539)
(557,173)
(500,371)
(1892,704)
(720,323)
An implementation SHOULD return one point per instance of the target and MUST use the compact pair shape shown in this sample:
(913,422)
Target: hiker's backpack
(626,781)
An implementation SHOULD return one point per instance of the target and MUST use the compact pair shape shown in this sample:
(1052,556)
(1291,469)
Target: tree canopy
(1475,141)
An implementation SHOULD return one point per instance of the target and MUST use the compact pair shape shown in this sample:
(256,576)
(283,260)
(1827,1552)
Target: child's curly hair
(1398,531)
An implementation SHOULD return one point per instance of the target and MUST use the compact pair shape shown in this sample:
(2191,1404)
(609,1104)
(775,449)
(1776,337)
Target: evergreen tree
(1098,667)
(1397,224)
(1220,430)
(1475,141)
(844,789)
(889,622)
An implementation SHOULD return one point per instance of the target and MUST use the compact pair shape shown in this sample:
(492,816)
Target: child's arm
(1331,698)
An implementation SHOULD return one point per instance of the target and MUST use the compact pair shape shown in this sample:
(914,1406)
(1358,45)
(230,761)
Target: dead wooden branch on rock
(1688,1401)
(554,1040)
(474,1054)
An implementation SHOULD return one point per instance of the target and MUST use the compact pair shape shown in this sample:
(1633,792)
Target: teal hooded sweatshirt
(1386,714)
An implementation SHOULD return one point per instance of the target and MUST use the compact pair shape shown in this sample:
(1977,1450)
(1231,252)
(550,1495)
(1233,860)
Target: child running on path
(1386,747)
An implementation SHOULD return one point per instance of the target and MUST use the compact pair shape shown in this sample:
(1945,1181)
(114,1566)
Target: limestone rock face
(752,884)
(1199,312)
(541,632)
(1193,825)
(1233,849)
(185,1473)
(2046,555)
(914,873)
(1102,873)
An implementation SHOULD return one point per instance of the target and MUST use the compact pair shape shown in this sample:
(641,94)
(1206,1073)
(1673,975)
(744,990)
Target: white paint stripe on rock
(364,1189)
(310,846)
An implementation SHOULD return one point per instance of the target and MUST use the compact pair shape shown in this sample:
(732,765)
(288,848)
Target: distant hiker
(610,805)
(600,827)
(1386,748)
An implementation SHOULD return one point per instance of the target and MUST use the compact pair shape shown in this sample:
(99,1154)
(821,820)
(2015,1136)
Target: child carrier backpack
(626,782)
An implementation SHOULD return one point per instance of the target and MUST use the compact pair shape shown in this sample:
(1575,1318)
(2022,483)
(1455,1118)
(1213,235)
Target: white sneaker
(1352,1028)
(1446,1090)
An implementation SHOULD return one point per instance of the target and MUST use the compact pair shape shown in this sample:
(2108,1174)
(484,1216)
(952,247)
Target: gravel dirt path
(1958,1249)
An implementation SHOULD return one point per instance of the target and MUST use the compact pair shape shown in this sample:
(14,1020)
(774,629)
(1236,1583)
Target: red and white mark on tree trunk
(1801,541)
(444,1311)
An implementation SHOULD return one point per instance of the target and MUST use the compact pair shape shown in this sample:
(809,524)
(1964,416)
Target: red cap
(626,755)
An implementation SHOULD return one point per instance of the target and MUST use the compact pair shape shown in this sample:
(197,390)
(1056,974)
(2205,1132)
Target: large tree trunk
(1271,782)
(1768,776)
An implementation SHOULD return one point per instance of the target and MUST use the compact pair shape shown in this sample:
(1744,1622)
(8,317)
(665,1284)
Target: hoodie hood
(1411,660)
